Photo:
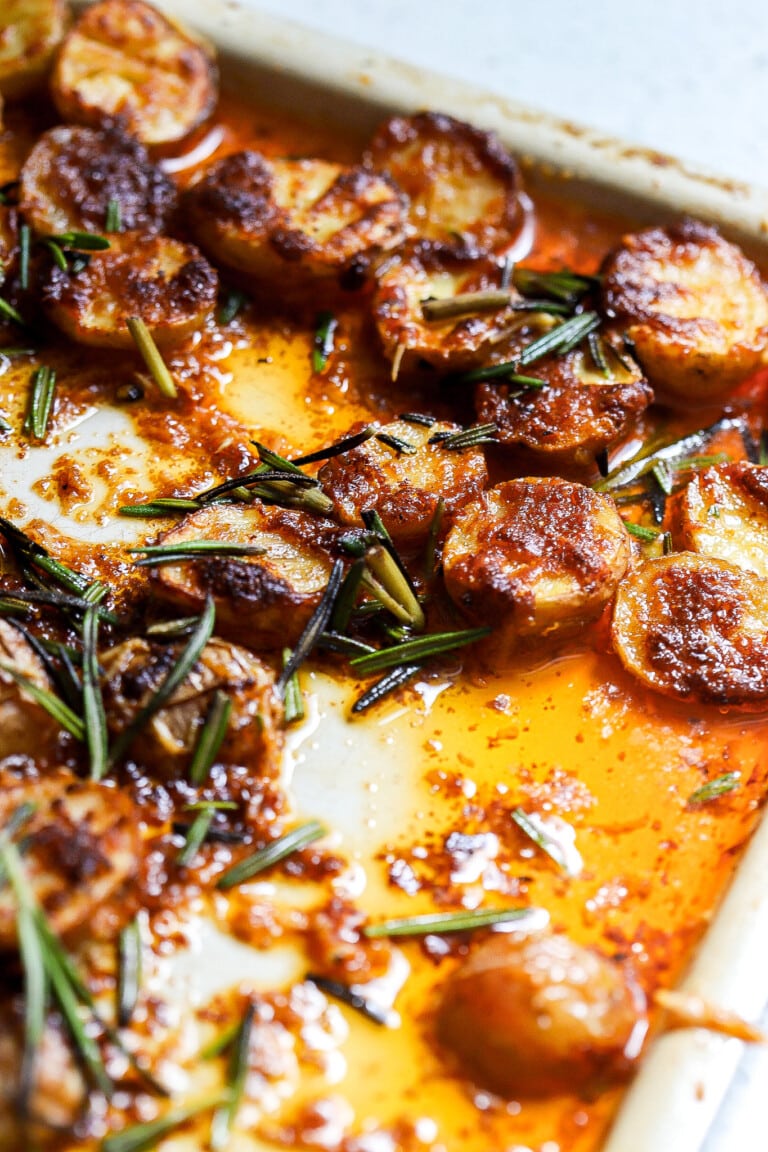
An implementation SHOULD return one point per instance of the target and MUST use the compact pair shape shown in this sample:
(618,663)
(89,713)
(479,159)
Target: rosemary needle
(224,1117)
(129,971)
(720,786)
(271,854)
(55,707)
(93,704)
(415,650)
(440,922)
(145,1137)
(211,737)
(150,354)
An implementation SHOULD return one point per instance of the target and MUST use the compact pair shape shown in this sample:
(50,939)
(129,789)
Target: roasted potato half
(30,31)
(169,285)
(723,512)
(73,174)
(25,726)
(404,483)
(133,671)
(694,306)
(123,59)
(535,556)
(462,185)
(82,842)
(262,601)
(533,1015)
(578,413)
(272,218)
(695,628)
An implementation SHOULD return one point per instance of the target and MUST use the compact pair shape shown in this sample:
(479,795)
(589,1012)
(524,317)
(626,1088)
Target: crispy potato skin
(462,184)
(133,671)
(577,415)
(296,217)
(535,1015)
(30,31)
(170,285)
(83,843)
(695,307)
(724,513)
(404,489)
(25,727)
(695,629)
(124,59)
(72,173)
(535,556)
(261,601)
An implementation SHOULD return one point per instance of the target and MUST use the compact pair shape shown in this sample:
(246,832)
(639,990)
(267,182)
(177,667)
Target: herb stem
(150,354)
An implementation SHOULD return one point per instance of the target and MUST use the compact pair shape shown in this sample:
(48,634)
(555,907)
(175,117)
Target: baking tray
(674,1101)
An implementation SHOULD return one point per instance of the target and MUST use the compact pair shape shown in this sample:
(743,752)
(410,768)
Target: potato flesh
(30,31)
(535,556)
(724,513)
(124,59)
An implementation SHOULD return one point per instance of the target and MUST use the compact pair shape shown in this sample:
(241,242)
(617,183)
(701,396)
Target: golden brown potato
(30,31)
(133,671)
(123,59)
(579,413)
(461,183)
(292,217)
(404,488)
(535,556)
(417,274)
(9,241)
(82,843)
(72,174)
(537,1014)
(169,285)
(695,628)
(25,727)
(724,513)
(694,306)
(262,601)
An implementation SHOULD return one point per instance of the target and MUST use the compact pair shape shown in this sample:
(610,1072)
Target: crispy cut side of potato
(724,513)
(292,217)
(133,671)
(25,726)
(535,556)
(417,275)
(30,31)
(261,601)
(533,1015)
(82,842)
(695,628)
(123,59)
(695,307)
(462,184)
(579,413)
(73,174)
(404,486)
(169,285)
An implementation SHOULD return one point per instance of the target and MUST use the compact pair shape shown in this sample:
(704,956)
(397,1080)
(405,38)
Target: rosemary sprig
(113,220)
(40,402)
(390,578)
(345,995)
(197,832)
(172,629)
(129,948)
(561,339)
(93,705)
(233,303)
(641,532)
(397,444)
(30,552)
(643,462)
(337,449)
(154,554)
(146,1136)
(164,506)
(24,249)
(293,701)
(422,648)
(55,707)
(10,312)
(324,341)
(418,418)
(347,597)
(271,854)
(465,304)
(80,241)
(536,832)
(468,437)
(720,786)
(442,922)
(388,683)
(176,676)
(224,1117)
(567,286)
(211,736)
(316,624)
(150,354)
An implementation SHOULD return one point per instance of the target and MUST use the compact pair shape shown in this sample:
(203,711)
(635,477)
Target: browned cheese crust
(167,284)
(72,174)
(695,307)
(696,629)
(124,59)
(462,183)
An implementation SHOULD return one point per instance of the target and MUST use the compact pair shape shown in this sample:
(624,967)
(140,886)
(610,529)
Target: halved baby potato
(462,184)
(578,413)
(262,601)
(694,306)
(404,485)
(124,60)
(724,513)
(30,31)
(73,174)
(695,628)
(167,284)
(26,728)
(535,556)
(133,671)
(279,217)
